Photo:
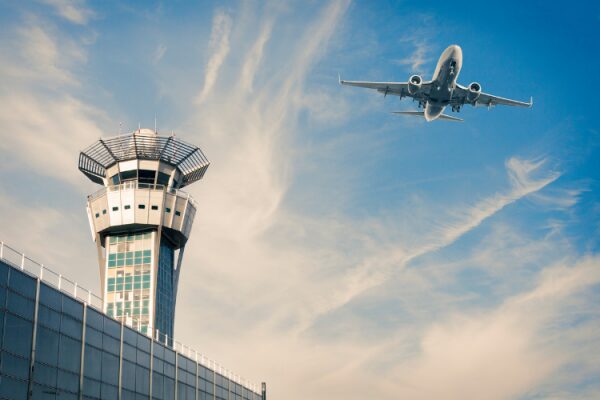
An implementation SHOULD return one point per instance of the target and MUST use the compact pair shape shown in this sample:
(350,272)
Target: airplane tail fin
(422,114)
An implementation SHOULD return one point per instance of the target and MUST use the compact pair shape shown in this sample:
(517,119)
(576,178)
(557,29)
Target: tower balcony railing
(139,185)
(24,263)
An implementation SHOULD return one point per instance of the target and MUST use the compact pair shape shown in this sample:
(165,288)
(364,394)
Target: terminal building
(61,341)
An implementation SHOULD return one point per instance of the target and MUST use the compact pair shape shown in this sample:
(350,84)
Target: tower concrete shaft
(141,221)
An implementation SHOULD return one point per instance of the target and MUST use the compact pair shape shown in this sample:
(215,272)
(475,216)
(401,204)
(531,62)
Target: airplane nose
(456,50)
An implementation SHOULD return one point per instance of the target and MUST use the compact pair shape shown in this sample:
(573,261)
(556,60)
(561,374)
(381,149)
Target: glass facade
(165,299)
(130,294)
(58,345)
(17,310)
(53,346)
(129,290)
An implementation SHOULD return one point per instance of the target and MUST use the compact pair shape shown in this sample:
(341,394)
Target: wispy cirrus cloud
(418,58)
(159,53)
(40,112)
(298,269)
(524,182)
(219,49)
(365,304)
(418,46)
(520,331)
(40,233)
(38,58)
(374,270)
(74,11)
(506,341)
(254,57)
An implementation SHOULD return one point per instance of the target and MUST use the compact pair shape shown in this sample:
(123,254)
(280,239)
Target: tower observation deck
(141,221)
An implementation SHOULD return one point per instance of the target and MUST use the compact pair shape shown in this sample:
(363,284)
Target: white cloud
(47,136)
(325,107)
(374,270)
(159,53)
(219,48)
(263,280)
(43,232)
(37,58)
(296,268)
(560,199)
(254,57)
(418,58)
(44,125)
(74,11)
(417,43)
(523,183)
(464,356)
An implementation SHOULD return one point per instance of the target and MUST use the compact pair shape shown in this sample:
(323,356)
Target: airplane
(441,91)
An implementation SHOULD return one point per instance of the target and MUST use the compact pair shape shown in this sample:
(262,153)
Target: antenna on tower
(155,131)
(120,126)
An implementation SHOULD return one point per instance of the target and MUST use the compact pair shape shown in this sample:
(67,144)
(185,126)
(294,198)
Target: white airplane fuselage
(443,82)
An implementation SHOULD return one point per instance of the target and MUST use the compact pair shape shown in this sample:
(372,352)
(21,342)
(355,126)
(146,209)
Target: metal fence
(24,263)
(58,281)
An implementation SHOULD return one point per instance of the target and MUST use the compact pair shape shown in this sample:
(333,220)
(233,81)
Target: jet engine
(474,91)
(414,84)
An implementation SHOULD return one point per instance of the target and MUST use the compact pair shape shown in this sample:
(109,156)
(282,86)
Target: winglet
(339,78)
(531,102)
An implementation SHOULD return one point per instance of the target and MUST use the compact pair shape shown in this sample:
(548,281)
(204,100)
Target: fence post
(22,262)
(1,249)
(75,290)
(41,272)
(59,280)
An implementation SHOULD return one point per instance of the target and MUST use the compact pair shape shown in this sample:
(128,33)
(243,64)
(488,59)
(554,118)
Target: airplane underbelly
(441,93)
(442,88)
(432,111)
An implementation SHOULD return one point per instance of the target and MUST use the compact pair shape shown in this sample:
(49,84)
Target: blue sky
(339,251)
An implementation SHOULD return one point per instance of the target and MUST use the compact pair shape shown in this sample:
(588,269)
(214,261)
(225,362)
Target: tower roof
(143,144)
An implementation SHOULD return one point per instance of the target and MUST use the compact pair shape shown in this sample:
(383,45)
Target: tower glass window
(129,284)
(165,312)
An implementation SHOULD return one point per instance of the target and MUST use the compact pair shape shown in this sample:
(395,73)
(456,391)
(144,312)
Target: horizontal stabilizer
(422,114)
(450,118)
(413,113)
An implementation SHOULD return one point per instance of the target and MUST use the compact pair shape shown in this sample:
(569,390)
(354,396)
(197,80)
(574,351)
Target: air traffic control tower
(141,221)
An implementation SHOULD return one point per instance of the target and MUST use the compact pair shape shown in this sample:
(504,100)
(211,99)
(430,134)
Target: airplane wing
(393,88)
(460,93)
